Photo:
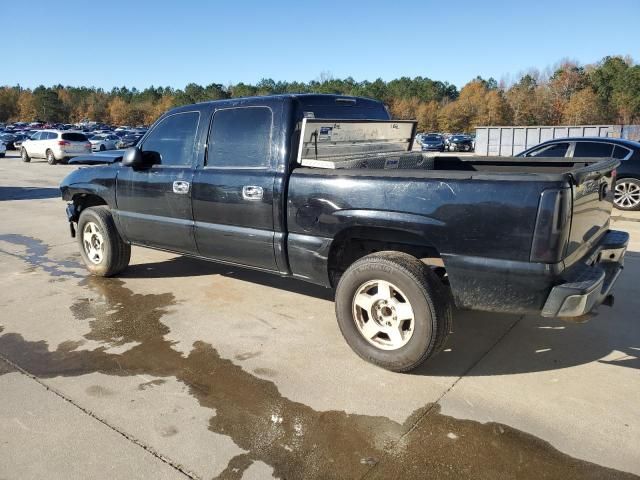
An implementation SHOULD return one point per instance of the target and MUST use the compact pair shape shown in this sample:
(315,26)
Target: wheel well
(82,201)
(354,243)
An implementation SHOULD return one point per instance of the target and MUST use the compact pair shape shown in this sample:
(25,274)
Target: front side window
(240,138)
(593,149)
(556,150)
(173,139)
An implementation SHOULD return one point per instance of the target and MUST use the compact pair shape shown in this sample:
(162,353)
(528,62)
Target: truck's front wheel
(393,311)
(101,246)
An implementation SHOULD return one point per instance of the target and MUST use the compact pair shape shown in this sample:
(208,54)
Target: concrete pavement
(186,368)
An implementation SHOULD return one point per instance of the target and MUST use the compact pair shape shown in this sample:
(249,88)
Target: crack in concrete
(129,437)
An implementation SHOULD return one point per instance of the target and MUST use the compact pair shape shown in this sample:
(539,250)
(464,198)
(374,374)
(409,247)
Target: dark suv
(627,193)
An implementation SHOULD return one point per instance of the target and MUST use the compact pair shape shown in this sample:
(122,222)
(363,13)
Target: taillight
(552,226)
(88,145)
(63,143)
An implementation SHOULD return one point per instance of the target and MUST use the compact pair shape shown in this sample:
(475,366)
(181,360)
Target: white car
(103,141)
(3,149)
(55,146)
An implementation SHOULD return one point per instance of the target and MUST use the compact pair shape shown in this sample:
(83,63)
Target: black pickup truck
(325,189)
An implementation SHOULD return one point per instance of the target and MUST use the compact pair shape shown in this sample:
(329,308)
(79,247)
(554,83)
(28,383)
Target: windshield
(432,137)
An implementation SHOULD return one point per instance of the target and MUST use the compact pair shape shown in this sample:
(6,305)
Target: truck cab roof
(309,105)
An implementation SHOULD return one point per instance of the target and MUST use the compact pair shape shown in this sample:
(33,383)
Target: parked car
(19,140)
(8,139)
(459,143)
(3,149)
(401,239)
(627,189)
(432,142)
(103,141)
(128,141)
(55,146)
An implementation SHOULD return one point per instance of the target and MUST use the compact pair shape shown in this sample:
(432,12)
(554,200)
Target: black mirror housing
(133,158)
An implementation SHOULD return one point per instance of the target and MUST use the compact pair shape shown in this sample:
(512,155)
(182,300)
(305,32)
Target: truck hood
(109,156)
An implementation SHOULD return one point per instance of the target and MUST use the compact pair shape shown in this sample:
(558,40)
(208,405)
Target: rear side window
(240,138)
(174,139)
(593,149)
(556,150)
(621,153)
(74,137)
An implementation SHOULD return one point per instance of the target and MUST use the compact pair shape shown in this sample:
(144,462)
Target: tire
(102,148)
(110,254)
(413,283)
(25,156)
(51,159)
(627,194)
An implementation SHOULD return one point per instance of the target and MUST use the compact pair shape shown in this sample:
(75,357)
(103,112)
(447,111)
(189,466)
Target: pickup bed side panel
(482,229)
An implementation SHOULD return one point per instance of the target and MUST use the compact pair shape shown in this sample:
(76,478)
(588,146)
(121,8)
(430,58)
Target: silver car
(104,141)
(55,146)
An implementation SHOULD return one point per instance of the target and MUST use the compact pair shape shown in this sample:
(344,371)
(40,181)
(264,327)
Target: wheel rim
(50,157)
(93,243)
(627,195)
(383,315)
(24,154)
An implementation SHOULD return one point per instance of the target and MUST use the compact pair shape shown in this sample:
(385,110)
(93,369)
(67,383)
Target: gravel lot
(182,368)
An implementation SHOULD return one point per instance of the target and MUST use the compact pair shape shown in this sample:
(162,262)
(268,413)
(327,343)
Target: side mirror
(133,158)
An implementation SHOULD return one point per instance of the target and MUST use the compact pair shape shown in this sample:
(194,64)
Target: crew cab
(325,189)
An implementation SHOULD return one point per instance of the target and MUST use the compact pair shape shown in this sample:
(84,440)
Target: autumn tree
(582,108)
(118,111)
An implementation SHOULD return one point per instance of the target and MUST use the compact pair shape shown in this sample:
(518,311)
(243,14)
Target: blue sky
(172,43)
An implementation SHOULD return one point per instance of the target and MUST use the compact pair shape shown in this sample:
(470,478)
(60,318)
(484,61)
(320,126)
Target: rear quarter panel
(460,217)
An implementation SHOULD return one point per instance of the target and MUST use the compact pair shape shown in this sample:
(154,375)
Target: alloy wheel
(93,243)
(627,195)
(383,314)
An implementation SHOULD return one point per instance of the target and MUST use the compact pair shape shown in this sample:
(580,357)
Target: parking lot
(181,368)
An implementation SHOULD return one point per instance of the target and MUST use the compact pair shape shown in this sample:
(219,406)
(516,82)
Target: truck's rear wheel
(101,246)
(392,310)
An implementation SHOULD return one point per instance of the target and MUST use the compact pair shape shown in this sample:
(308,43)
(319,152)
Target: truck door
(154,203)
(233,190)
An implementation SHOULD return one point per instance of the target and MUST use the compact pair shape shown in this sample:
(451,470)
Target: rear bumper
(589,283)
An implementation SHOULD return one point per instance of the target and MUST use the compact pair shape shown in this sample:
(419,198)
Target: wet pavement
(206,371)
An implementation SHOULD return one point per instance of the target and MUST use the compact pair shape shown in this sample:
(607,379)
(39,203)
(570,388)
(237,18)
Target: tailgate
(592,192)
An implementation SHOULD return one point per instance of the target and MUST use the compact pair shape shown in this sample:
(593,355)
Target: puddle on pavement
(35,256)
(295,440)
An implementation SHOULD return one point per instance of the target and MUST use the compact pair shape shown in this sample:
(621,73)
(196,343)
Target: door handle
(180,187)
(252,192)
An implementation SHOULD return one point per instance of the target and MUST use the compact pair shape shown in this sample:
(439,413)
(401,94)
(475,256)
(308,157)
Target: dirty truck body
(322,188)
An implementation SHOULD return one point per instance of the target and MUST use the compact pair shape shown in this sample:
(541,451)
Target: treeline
(605,92)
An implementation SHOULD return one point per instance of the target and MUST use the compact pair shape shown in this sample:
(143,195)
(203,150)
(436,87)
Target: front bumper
(589,283)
